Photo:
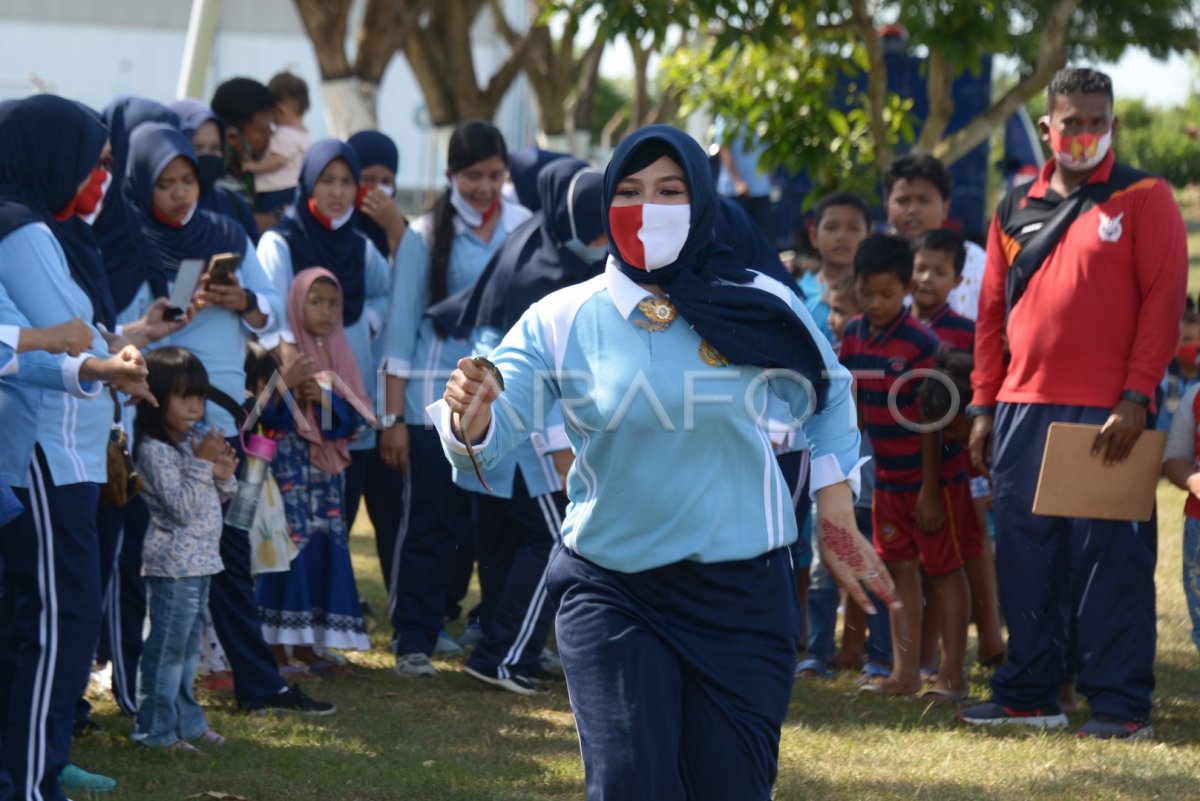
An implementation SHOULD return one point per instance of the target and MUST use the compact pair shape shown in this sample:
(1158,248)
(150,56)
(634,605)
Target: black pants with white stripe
(515,538)
(49,623)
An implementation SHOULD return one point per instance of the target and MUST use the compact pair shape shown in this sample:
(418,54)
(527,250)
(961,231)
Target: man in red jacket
(1090,329)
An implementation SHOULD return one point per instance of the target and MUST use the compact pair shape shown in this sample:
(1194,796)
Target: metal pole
(197,50)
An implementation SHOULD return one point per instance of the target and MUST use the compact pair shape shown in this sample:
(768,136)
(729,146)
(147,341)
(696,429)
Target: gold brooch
(711,356)
(659,314)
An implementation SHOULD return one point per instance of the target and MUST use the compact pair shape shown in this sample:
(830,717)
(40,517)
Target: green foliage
(785,100)
(611,97)
(1165,142)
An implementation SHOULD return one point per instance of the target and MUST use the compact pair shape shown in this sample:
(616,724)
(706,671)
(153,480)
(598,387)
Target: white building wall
(91,51)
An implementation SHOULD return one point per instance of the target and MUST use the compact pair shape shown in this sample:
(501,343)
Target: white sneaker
(446,645)
(414,665)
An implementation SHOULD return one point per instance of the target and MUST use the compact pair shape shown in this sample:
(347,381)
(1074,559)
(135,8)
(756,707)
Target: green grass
(450,739)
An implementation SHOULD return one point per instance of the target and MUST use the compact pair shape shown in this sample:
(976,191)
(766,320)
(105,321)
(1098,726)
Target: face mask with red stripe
(650,236)
(1080,151)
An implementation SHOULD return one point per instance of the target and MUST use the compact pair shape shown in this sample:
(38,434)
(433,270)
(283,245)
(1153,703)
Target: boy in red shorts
(938,258)
(922,513)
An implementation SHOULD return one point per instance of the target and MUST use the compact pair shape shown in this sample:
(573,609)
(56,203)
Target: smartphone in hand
(222,266)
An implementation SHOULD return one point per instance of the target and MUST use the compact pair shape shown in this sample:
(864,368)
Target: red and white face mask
(89,197)
(1080,151)
(652,235)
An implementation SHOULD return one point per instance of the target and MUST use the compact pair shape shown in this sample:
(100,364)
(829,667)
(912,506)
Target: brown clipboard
(1074,483)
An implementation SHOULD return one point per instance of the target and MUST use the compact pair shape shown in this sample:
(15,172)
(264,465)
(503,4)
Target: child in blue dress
(316,602)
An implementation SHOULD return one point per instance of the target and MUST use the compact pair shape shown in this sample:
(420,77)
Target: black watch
(1136,397)
(251,302)
(973,411)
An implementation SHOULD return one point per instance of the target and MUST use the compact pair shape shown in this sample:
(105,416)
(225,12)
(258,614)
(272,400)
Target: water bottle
(259,451)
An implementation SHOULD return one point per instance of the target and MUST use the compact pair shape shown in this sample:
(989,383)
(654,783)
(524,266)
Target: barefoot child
(316,602)
(939,256)
(922,503)
(186,477)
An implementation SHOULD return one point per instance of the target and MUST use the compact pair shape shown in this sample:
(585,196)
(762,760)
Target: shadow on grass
(1073,784)
(391,738)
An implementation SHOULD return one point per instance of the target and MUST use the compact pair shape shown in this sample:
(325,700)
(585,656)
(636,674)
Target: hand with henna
(846,553)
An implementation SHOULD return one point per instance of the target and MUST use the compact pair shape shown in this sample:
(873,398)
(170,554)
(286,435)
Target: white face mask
(338,222)
(650,236)
(465,210)
(386,189)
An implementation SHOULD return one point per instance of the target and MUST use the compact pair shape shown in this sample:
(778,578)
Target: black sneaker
(293,699)
(1107,727)
(992,714)
(521,685)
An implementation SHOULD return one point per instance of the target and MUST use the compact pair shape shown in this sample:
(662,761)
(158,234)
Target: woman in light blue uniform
(317,232)
(52,445)
(443,252)
(677,615)
(520,511)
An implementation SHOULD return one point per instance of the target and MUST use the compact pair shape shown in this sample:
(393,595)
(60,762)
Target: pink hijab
(330,354)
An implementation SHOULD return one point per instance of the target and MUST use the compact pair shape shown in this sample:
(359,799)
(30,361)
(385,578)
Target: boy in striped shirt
(922,506)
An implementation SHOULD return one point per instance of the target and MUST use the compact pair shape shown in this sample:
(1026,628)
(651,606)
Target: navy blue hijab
(48,145)
(151,148)
(374,147)
(129,259)
(533,260)
(213,196)
(343,252)
(524,166)
(707,282)
(736,228)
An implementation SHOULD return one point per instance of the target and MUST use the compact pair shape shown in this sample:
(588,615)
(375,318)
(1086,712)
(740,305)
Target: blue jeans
(1191,573)
(166,709)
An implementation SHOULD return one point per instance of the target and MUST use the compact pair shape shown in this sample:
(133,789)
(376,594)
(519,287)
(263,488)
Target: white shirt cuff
(374,321)
(439,413)
(70,374)
(551,440)
(265,308)
(10,367)
(10,335)
(397,368)
(826,471)
(269,341)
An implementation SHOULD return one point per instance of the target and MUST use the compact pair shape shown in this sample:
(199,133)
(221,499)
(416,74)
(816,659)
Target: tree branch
(864,25)
(1050,58)
(503,78)
(325,23)
(385,26)
(589,79)
(939,87)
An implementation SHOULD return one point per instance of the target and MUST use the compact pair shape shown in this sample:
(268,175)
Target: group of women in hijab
(668,567)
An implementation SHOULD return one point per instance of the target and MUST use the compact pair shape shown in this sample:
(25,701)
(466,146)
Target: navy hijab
(214,197)
(533,260)
(707,282)
(129,259)
(736,228)
(374,147)
(151,148)
(48,145)
(524,166)
(343,252)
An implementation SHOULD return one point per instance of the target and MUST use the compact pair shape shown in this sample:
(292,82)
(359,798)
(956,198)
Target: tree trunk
(939,83)
(1050,58)
(587,80)
(641,90)
(350,105)
(864,25)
